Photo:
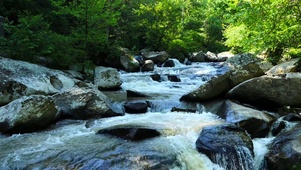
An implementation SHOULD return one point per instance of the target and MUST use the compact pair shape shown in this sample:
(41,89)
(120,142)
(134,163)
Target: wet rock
(156,57)
(277,127)
(136,107)
(27,114)
(107,78)
(285,67)
(269,92)
(173,78)
(129,63)
(148,66)
(129,133)
(226,145)
(85,104)
(256,123)
(284,151)
(19,78)
(132,93)
(169,63)
(156,77)
(211,89)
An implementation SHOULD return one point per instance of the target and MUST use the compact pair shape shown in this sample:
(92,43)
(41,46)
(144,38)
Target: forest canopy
(86,31)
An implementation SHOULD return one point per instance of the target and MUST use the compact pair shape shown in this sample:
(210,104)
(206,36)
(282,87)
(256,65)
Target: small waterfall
(260,150)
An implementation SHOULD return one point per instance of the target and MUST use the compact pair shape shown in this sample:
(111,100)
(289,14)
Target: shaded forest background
(85,32)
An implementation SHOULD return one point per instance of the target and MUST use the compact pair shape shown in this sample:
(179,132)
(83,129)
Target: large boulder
(284,151)
(19,78)
(256,123)
(129,63)
(106,78)
(246,66)
(269,91)
(226,145)
(27,114)
(85,104)
(214,87)
(156,57)
(285,67)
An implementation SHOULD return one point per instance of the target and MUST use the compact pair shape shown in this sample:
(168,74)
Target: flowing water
(75,144)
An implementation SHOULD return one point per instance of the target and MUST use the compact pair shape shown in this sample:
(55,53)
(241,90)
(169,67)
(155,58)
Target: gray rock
(85,104)
(214,87)
(27,114)
(106,78)
(256,123)
(129,63)
(270,91)
(246,66)
(285,67)
(211,57)
(148,66)
(156,57)
(198,57)
(19,78)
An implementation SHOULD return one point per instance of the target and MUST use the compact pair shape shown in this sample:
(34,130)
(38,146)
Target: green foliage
(271,25)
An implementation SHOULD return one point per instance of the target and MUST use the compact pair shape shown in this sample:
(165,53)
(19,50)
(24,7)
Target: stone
(156,57)
(284,151)
(256,123)
(269,91)
(285,67)
(19,78)
(129,63)
(211,89)
(136,106)
(79,103)
(148,66)
(27,114)
(226,145)
(198,57)
(169,63)
(106,78)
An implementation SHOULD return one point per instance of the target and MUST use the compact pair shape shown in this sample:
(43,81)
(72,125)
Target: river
(75,144)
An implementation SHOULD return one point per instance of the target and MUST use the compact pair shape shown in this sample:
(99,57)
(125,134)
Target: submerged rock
(131,133)
(228,146)
(85,104)
(27,114)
